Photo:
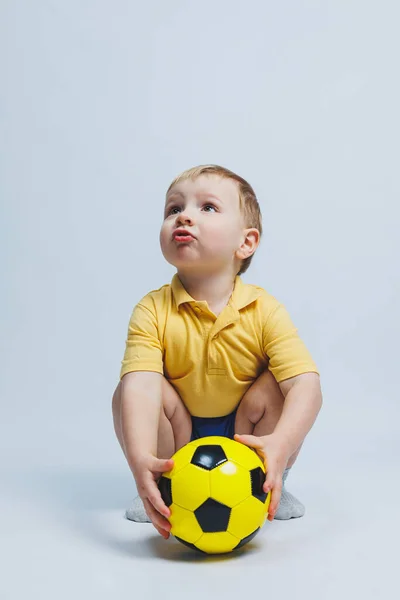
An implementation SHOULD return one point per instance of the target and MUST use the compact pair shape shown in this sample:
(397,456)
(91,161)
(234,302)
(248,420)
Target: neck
(216,289)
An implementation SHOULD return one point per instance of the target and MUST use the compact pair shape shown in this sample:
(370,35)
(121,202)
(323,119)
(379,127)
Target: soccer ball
(215,495)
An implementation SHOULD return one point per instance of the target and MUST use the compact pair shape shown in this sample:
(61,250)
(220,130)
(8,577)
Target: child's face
(208,208)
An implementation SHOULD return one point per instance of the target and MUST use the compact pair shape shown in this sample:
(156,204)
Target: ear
(249,244)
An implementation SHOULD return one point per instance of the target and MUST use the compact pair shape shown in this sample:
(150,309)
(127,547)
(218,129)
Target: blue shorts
(204,426)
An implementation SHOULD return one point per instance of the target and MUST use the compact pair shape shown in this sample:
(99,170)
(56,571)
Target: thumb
(162,465)
(249,440)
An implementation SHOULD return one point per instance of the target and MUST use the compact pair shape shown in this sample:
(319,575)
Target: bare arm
(303,400)
(140,414)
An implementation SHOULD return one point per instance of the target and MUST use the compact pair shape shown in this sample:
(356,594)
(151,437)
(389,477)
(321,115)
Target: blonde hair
(248,202)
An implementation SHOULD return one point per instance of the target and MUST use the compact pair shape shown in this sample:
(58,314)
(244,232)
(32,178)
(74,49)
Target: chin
(178,264)
(182,265)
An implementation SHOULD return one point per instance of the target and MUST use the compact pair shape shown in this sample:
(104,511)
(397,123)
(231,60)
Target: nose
(183,218)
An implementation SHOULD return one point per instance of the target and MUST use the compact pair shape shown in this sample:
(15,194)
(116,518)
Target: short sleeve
(287,353)
(143,349)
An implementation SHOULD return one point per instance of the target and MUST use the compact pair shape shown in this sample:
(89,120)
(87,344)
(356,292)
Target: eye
(172,209)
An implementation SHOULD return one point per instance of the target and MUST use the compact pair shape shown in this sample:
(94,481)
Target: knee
(170,398)
(252,406)
(264,395)
(271,388)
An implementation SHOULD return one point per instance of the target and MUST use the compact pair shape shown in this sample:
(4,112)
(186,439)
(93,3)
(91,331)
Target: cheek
(219,244)
(163,236)
(221,236)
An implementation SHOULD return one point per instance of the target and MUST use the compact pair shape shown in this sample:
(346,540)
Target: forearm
(300,409)
(140,414)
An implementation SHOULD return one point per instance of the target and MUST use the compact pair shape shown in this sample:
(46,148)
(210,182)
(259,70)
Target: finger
(275,499)
(156,500)
(151,491)
(270,481)
(161,524)
(162,532)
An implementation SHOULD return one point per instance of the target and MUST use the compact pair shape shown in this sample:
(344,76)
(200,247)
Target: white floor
(63,534)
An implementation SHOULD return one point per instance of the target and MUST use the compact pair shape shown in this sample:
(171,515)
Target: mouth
(181,235)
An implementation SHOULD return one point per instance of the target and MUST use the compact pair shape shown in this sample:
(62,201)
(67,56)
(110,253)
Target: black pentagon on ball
(257,481)
(164,485)
(209,456)
(247,539)
(189,545)
(213,516)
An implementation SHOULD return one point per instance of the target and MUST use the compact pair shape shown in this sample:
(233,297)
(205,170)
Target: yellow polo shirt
(212,360)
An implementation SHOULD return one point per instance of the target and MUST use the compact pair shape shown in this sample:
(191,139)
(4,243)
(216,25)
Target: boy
(209,354)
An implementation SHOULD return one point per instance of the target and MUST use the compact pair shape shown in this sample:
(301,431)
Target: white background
(102,105)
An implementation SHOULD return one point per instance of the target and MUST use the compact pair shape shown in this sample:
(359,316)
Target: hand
(147,471)
(275,456)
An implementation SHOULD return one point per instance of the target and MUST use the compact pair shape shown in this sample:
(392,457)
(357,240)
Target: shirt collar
(243,294)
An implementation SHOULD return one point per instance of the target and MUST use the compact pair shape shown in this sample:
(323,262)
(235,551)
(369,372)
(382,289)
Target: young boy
(209,354)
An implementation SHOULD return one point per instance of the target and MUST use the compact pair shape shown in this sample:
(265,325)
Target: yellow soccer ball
(215,495)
